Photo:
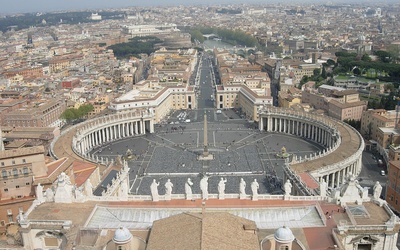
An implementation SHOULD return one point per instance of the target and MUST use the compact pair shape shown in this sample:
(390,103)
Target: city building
(336,102)
(149,30)
(393,185)
(42,113)
(373,119)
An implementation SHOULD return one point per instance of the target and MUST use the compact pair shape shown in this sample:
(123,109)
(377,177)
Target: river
(211,44)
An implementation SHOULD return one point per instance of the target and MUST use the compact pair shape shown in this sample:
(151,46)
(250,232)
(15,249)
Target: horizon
(10,7)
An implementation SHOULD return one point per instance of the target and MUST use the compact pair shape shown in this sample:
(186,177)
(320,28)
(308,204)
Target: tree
(68,115)
(355,124)
(357,71)
(366,58)
(330,62)
(317,72)
(323,73)
(72,114)
(384,56)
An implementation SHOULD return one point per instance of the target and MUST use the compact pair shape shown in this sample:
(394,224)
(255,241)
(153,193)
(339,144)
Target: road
(371,172)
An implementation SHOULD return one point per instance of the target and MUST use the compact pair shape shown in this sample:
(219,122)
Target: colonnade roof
(351,142)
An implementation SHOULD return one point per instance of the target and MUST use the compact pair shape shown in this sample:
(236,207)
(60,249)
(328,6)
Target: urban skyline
(20,6)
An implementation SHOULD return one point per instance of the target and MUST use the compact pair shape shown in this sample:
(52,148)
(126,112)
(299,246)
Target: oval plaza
(334,153)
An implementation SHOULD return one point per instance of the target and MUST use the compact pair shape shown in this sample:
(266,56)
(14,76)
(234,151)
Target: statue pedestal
(207,157)
(189,197)
(167,197)
(254,198)
(221,196)
(242,196)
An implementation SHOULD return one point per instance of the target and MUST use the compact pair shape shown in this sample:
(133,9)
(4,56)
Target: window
(27,183)
(4,173)
(25,170)
(17,186)
(13,162)
(6,190)
(15,172)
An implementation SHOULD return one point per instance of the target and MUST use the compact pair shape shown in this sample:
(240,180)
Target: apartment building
(18,169)
(289,98)
(336,102)
(373,119)
(393,185)
(37,114)
(28,72)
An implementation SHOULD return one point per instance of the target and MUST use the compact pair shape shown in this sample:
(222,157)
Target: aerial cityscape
(196,125)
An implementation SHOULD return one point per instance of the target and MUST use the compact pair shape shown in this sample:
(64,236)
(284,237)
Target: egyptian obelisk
(205,155)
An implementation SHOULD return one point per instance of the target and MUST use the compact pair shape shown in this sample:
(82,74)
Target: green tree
(68,115)
(330,62)
(73,114)
(357,71)
(323,73)
(316,72)
(366,58)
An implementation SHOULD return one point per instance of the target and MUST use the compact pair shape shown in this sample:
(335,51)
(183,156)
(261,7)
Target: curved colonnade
(99,131)
(341,156)
(343,144)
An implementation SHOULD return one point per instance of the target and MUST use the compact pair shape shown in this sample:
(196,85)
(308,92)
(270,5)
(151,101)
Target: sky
(25,6)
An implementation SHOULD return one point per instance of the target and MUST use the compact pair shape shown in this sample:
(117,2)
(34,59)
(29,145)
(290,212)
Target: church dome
(122,236)
(284,235)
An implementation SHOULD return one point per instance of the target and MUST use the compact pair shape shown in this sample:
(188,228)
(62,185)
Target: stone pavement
(239,151)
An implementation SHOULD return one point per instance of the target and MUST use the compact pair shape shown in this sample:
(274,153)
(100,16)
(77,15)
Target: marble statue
(168,189)
(322,188)
(88,188)
(288,187)
(188,189)
(377,190)
(254,189)
(124,189)
(154,190)
(49,195)
(204,187)
(64,189)
(78,193)
(221,188)
(39,193)
(63,179)
(242,189)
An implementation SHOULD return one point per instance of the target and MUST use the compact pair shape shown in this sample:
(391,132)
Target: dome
(284,235)
(122,236)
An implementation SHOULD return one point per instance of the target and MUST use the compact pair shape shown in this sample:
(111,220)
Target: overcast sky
(24,6)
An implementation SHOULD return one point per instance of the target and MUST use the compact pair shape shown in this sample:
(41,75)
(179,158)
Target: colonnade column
(151,126)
